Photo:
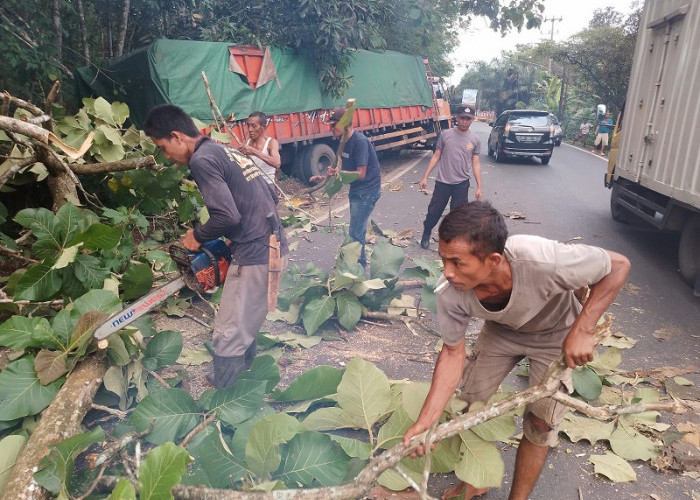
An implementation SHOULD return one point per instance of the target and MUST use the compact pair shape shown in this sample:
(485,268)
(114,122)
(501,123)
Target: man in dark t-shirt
(358,156)
(241,208)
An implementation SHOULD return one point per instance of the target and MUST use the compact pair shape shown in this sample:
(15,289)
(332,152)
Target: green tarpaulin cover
(169,71)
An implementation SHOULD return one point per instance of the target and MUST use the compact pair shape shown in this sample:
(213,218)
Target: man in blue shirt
(358,156)
(601,133)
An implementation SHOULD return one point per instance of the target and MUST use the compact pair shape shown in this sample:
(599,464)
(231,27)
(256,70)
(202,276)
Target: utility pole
(551,36)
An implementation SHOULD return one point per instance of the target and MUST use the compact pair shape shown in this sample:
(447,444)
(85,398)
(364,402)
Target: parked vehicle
(653,169)
(396,105)
(558,134)
(522,133)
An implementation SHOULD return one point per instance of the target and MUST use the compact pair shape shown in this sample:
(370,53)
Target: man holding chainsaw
(241,208)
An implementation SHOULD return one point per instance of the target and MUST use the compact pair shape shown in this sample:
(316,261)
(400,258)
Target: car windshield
(529,120)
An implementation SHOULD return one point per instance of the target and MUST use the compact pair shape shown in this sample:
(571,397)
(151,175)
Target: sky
(481,43)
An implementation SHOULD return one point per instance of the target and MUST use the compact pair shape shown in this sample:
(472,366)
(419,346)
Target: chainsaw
(203,271)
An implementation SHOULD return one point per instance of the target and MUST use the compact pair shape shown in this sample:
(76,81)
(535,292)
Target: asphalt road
(566,201)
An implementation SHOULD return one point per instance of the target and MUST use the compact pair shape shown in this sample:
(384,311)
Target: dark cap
(336,115)
(465,109)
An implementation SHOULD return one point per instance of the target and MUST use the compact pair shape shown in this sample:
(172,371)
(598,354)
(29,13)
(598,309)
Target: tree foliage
(594,64)
(41,45)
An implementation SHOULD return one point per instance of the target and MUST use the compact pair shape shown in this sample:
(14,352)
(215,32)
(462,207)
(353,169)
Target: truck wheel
(545,159)
(298,162)
(618,213)
(689,250)
(318,159)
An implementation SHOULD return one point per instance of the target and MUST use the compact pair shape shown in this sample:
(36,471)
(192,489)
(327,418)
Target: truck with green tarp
(395,102)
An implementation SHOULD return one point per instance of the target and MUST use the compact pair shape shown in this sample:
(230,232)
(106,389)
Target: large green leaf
(329,419)
(120,112)
(57,466)
(626,442)
(312,457)
(349,310)
(237,403)
(97,300)
(394,428)
(99,237)
(240,437)
(413,395)
(10,447)
(316,312)
(89,271)
(590,429)
(333,185)
(137,280)
(496,429)
(124,490)
(18,332)
(606,362)
(262,450)
(103,111)
(613,467)
(221,467)
(68,218)
(312,384)
(172,411)
(386,260)
(40,282)
(21,393)
(587,383)
(162,469)
(162,350)
(364,393)
(481,464)
(353,447)
(264,368)
(41,221)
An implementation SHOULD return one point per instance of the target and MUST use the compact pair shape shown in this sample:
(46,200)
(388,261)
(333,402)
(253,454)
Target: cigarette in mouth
(441,286)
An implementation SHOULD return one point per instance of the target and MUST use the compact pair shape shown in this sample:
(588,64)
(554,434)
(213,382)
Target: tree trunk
(58,29)
(62,419)
(83,32)
(123,25)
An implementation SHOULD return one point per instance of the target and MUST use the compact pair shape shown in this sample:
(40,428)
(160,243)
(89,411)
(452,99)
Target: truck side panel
(661,130)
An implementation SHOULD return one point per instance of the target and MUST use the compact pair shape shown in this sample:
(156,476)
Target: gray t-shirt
(456,151)
(545,274)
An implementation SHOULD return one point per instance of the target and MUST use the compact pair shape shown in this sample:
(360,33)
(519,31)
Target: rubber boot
(250,354)
(227,370)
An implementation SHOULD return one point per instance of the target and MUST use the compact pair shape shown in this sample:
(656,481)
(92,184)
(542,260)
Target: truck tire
(545,159)
(317,160)
(298,161)
(689,250)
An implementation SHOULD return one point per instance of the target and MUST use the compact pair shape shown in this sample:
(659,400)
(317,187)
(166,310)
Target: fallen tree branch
(116,166)
(15,254)
(10,172)
(62,419)
(607,412)
(20,103)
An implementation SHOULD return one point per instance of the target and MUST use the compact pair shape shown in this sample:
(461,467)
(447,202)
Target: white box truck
(654,166)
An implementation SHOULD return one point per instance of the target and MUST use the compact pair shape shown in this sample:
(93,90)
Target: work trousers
(242,309)
(361,206)
(456,194)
